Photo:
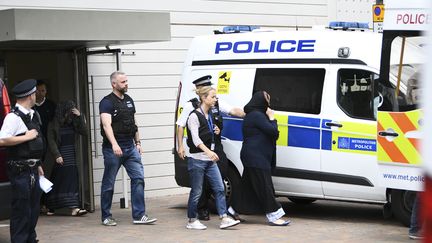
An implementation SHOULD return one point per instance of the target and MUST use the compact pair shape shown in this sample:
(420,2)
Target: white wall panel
(260,20)
(139,81)
(142,56)
(138,68)
(148,120)
(143,94)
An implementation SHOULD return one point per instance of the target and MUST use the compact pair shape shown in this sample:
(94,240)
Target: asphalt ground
(321,221)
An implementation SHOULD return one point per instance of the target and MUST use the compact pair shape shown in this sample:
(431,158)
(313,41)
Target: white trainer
(228,222)
(196,225)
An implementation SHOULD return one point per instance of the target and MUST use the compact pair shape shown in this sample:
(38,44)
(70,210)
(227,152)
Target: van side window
(355,94)
(408,73)
(292,89)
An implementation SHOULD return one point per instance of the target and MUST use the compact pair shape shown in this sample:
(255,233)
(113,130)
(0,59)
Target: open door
(85,151)
(399,116)
(52,44)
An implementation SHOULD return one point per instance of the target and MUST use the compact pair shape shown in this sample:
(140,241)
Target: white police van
(323,90)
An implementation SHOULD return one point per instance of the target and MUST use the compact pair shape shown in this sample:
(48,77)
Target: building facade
(154,68)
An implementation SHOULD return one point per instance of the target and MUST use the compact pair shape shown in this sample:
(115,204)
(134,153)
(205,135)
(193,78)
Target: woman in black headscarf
(63,132)
(258,155)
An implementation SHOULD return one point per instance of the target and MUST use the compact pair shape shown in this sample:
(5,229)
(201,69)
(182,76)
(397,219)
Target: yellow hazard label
(378,12)
(223,85)
(282,121)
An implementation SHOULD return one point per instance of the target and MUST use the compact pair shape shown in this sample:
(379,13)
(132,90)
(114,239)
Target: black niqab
(63,112)
(257,103)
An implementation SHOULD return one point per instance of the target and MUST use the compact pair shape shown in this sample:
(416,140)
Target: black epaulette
(195,103)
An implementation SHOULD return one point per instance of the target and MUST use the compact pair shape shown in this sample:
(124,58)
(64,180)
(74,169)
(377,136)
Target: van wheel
(231,183)
(303,201)
(402,202)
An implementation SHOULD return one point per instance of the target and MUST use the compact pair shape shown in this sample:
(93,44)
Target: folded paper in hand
(45,184)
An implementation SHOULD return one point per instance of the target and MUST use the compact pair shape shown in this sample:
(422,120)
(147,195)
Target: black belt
(22,164)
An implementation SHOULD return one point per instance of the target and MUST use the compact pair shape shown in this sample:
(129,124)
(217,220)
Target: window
(407,55)
(355,93)
(293,89)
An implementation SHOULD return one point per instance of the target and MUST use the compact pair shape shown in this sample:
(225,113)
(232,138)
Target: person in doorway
(46,108)
(121,146)
(202,161)
(25,150)
(258,156)
(63,133)
(216,111)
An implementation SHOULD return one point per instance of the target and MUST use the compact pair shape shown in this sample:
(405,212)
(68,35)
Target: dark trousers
(206,189)
(25,204)
(415,225)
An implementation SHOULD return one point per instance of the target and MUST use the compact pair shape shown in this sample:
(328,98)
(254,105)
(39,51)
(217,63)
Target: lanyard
(209,123)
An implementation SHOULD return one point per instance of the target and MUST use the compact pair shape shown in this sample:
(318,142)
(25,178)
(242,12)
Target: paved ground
(322,221)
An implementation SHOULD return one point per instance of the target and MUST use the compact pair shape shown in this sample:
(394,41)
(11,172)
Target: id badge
(212,147)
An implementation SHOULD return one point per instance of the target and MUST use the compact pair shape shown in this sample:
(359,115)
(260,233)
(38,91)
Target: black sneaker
(204,215)
(236,217)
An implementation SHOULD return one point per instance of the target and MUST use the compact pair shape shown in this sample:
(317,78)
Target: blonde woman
(202,161)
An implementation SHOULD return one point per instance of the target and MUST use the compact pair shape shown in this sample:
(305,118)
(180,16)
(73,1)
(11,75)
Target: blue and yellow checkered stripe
(313,133)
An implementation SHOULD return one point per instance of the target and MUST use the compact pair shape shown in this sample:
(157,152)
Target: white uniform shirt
(188,108)
(13,124)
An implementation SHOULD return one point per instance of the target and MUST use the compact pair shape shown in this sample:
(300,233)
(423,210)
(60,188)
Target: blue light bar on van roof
(348,25)
(239,28)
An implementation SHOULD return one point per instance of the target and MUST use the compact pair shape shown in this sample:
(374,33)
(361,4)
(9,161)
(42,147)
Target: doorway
(65,75)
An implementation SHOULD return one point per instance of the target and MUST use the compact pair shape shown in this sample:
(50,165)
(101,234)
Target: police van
(324,92)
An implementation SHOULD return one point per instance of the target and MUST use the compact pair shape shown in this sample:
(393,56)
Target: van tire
(231,183)
(302,201)
(401,204)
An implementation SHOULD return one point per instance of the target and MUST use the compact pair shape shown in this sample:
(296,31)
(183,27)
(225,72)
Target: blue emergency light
(236,29)
(348,25)
(239,28)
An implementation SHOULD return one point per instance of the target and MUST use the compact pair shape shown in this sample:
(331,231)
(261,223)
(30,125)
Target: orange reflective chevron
(405,147)
(389,149)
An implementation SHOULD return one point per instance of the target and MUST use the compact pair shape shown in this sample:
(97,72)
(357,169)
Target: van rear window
(292,89)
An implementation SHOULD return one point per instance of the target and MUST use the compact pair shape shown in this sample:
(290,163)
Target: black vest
(33,149)
(215,114)
(204,134)
(122,118)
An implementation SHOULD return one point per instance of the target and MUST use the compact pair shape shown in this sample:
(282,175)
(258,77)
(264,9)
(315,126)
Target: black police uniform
(23,162)
(123,120)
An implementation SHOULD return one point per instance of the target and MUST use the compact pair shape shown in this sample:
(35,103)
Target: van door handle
(333,124)
(384,134)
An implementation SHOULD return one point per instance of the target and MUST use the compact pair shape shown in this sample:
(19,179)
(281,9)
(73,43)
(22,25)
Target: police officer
(121,146)
(24,161)
(216,113)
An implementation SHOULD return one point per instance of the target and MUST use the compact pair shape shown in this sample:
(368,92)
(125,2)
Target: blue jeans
(197,170)
(415,226)
(131,160)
